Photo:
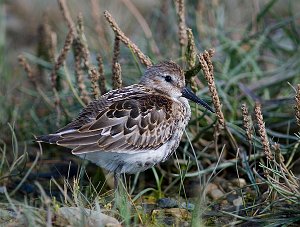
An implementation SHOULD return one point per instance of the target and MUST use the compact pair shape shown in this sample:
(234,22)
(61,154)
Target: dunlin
(131,129)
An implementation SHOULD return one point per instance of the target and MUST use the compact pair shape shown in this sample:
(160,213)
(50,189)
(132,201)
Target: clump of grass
(278,177)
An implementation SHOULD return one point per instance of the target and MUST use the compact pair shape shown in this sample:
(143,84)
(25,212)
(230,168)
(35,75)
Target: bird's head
(168,78)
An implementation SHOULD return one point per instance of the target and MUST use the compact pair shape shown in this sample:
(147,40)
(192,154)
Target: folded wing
(127,125)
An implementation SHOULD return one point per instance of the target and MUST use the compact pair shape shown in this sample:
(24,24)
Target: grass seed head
(208,70)
(262,131)
(247,122)
(102,79)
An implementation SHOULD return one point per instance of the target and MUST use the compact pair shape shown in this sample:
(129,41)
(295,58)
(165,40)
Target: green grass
(262,65)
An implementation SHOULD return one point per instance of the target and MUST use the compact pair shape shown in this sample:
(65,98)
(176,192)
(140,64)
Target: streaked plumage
(131,129)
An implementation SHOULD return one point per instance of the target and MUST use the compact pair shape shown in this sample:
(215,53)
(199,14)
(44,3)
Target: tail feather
(51,138)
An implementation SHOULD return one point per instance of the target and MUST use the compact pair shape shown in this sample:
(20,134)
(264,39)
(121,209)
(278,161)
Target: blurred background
(152,25)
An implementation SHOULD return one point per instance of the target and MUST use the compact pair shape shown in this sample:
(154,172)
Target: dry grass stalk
(116,50)
(191,50)
(46,42)
(193,84)
(207,67)
(297,105)
(191,54)
(59,62)
(23,62)
(290,181)
(96,16)
(92,71)
(101,75)
(180,8)
(53,45)
(116,68)
(79,72)
(262,131)
(247,123)
(208,55)
(117,76)
(83,49)
(78,53)
(278,156)
(62,57)
(66,14)
(94,75)
(145,60)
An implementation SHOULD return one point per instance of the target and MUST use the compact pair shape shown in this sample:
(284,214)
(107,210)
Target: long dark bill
(187,93)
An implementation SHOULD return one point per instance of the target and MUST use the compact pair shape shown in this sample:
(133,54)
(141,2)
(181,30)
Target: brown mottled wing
(127,125)
(93,109)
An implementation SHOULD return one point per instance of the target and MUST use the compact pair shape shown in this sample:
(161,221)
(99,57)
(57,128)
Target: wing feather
(128,124)
(71,141)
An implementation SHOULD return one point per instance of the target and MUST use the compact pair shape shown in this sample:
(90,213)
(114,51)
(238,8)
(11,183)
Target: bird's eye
(168,78)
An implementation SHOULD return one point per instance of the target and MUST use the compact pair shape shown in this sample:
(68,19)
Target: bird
(131,129)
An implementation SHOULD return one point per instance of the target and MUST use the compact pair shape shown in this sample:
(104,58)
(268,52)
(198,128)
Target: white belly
(128,162)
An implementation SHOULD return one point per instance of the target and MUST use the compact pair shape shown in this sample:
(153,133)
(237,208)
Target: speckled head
(166,77)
